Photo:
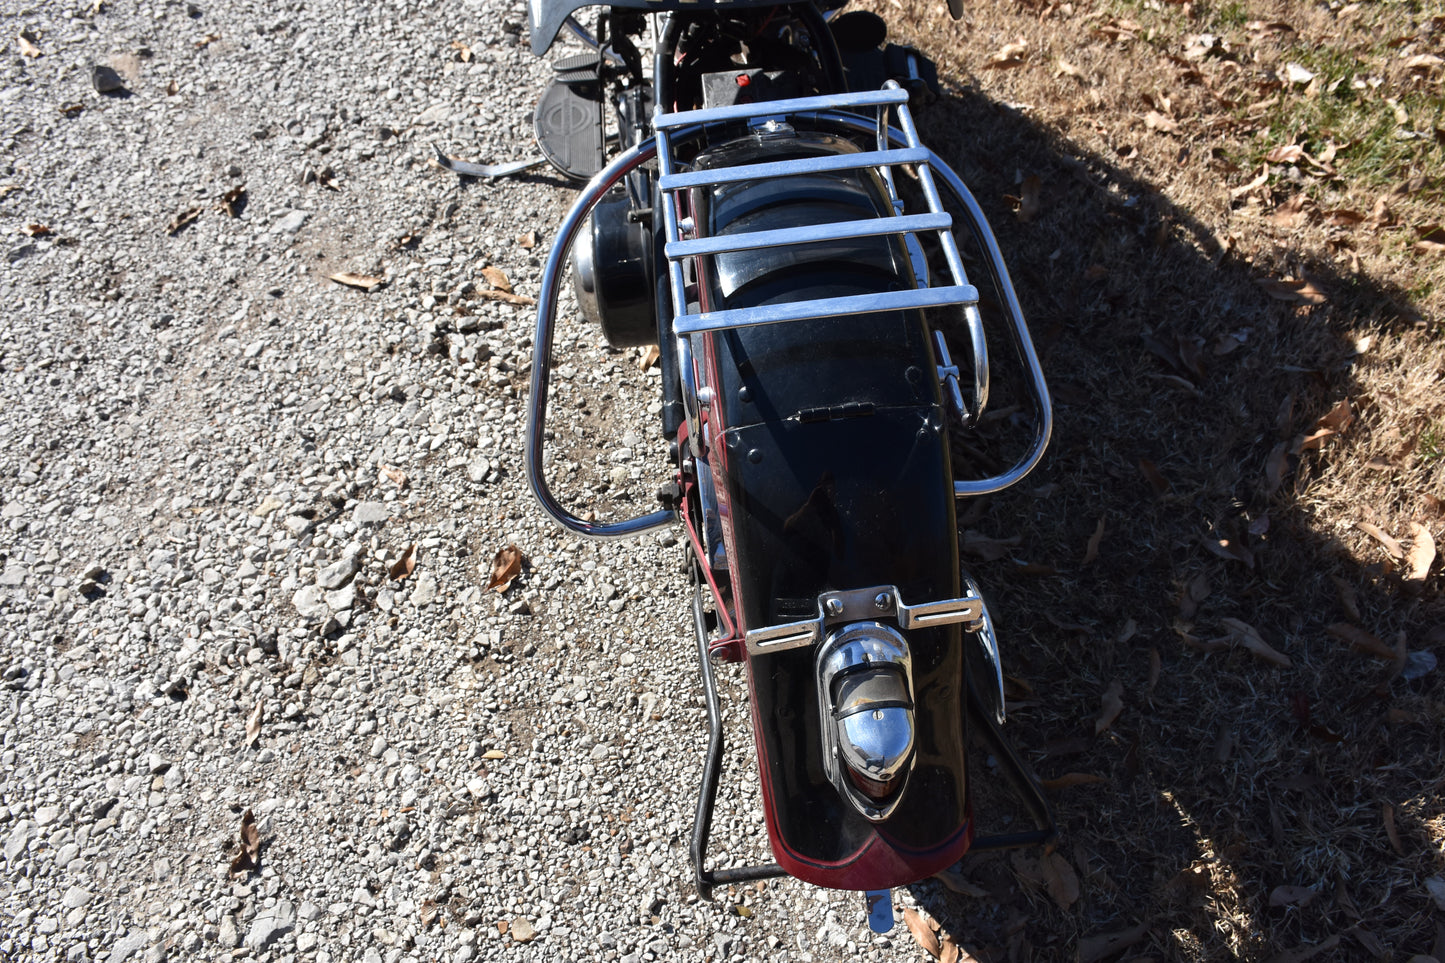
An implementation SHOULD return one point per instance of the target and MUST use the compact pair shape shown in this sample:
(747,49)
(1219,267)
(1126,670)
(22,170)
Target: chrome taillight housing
(865,704)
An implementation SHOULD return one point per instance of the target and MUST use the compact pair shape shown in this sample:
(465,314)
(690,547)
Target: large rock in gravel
(270,925)
(127,946)
(310,602)
(339,573)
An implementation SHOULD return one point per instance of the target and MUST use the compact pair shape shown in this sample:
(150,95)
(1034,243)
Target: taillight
(865,701)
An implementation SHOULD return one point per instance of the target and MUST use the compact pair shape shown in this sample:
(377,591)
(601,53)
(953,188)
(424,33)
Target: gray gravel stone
(338,573)
(292,222)
(310,602)
(197,427)
(270,925)
(370,513)
(124,948)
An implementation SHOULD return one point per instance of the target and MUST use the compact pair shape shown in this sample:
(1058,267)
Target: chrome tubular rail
(552,277)
(896,147)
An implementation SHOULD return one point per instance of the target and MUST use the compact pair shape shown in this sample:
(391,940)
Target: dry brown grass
(1188,387)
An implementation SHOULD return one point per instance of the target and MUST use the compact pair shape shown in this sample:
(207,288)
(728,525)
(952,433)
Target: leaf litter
(253,724)
(248,857)
(1339,244)
(506,566)
(922,933)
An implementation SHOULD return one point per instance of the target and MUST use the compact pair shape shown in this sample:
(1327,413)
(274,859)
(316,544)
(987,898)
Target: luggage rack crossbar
(825,308)
(804,165)
(683,247)
(812,234)
(883,97)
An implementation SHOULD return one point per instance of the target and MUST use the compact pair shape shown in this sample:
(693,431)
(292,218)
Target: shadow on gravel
(1182,390)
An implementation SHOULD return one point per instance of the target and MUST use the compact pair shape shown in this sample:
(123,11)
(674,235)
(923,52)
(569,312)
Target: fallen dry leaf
(394,475)
(1010,55)
(249,857)
(27,44)
(528,240)
(1314,441)
(1196,590)
(506,296)
(207,40)
(1285,154)
(234,201)
(1360,640)
(1160,122)
(1291,896)
(1423,63)
(1387,815)
(1432,240)
(1275,467)
(649,357)
(1071,779)
(1289,214)
(464,52)
(36,230)
(950,952)
(1062,68)
(1297,74)
(506,566)
(1062,881)
(1391,546)
(363,281)
(71,110)
(1421,556)
(1092,949)
(1258,182)
(1338,418)
(405,565)
(1297,290)
(954,881)
(1248,636)
(1268,26)
(923,934)
(494,754)
(253,723)
(1091,551)
(1112,703)
(182,219)
(497,278)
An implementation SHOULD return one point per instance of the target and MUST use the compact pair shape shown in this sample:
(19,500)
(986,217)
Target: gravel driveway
(214,464)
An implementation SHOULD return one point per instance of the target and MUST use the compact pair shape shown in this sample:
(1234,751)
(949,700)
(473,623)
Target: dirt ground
(1219,596)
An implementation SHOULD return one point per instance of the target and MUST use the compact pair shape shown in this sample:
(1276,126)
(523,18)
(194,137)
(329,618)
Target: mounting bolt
(882,601)
(833,607)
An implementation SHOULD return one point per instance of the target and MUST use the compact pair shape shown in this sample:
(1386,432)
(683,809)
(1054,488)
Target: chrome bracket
(948,379)
(851,605)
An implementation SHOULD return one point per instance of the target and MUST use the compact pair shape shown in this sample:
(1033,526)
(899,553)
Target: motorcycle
(765,213)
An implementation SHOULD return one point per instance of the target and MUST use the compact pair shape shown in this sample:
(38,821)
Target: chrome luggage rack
(895,147)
